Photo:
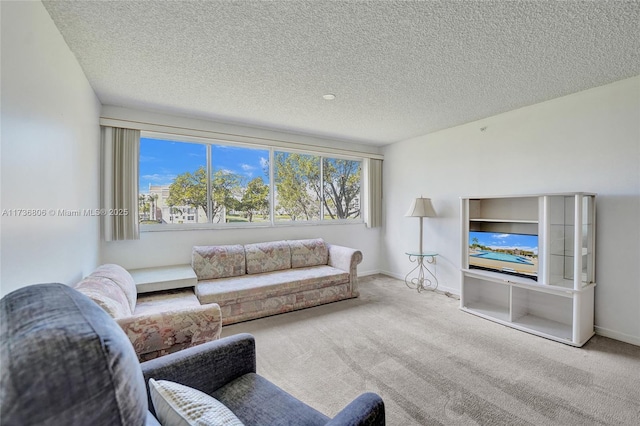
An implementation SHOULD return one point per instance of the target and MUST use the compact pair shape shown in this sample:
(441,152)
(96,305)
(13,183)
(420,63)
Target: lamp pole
(421,218)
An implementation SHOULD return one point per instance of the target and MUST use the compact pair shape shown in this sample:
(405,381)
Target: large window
(204,182)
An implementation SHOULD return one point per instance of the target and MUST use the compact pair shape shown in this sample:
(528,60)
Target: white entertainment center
(549,293)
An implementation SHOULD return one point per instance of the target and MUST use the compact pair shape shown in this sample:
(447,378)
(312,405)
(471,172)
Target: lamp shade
(421,207)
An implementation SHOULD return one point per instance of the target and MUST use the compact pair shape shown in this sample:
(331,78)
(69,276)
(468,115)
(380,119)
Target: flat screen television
(508,253)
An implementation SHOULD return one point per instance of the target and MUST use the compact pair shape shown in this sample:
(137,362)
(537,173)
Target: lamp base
(424,279)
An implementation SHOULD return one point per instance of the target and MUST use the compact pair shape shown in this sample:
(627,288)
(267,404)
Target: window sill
(211,226)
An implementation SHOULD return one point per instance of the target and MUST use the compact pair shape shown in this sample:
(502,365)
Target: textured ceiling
(399,69)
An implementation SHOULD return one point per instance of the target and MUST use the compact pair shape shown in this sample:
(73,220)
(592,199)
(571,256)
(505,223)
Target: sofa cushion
(66,362)
(180,405)
(267,257)
(308,252)
(271,284)
(122,278)
(209,262)
(166,301)
(106,293)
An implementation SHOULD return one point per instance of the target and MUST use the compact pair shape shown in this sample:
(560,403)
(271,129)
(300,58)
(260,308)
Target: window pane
(298,188)
(341,188)
(173,187)
(239,184)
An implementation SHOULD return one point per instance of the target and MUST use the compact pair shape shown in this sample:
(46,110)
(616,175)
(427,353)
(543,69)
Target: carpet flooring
(434,364)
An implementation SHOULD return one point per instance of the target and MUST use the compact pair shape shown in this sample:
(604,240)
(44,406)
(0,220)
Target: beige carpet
(434,364)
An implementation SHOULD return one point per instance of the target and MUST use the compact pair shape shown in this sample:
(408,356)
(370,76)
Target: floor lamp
(421,207)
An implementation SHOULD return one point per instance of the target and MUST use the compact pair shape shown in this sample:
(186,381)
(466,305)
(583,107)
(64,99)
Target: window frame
(271,149)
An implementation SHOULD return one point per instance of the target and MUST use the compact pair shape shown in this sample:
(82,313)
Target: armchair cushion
(205,367)
(180,405)
(255,400)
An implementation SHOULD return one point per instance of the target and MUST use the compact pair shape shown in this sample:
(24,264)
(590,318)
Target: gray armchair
(66,361)
(226,370)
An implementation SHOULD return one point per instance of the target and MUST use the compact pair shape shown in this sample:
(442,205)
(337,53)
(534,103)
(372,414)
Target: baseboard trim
(605,332)
(367,273)
(392,275)
(441,288)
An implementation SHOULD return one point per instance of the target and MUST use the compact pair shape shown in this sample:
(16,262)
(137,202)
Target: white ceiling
(399,69)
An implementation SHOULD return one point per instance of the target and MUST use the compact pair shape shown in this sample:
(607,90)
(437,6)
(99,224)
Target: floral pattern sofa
(156,323)
(257,280)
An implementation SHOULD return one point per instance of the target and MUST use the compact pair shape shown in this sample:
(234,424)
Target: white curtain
(120,152)
(374,192)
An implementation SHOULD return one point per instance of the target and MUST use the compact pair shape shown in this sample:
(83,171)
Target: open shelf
(488,310)
(487,298)
(551,329)
(503,220)
(504,209)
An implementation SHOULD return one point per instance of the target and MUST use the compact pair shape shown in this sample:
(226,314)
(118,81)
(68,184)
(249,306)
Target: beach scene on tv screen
(503,252)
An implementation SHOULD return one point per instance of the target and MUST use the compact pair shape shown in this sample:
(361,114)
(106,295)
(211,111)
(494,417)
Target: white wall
(50,144)
(588,141)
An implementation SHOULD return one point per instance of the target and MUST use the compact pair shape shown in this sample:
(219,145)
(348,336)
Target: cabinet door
(587,240)
(569,224)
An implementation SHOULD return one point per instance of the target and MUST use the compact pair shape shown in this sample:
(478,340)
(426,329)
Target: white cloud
(158,178)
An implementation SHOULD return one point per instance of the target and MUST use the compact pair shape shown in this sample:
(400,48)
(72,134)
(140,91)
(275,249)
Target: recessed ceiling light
(329,97)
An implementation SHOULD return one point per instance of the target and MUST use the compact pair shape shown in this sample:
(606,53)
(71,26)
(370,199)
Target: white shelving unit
(553,296)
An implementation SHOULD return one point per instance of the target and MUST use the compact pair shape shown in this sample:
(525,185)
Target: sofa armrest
(205,367)
(367,409)
(161,333)
(347,259)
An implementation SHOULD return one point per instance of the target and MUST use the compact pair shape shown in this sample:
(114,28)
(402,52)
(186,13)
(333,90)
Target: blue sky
(162,160)
(505,241)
